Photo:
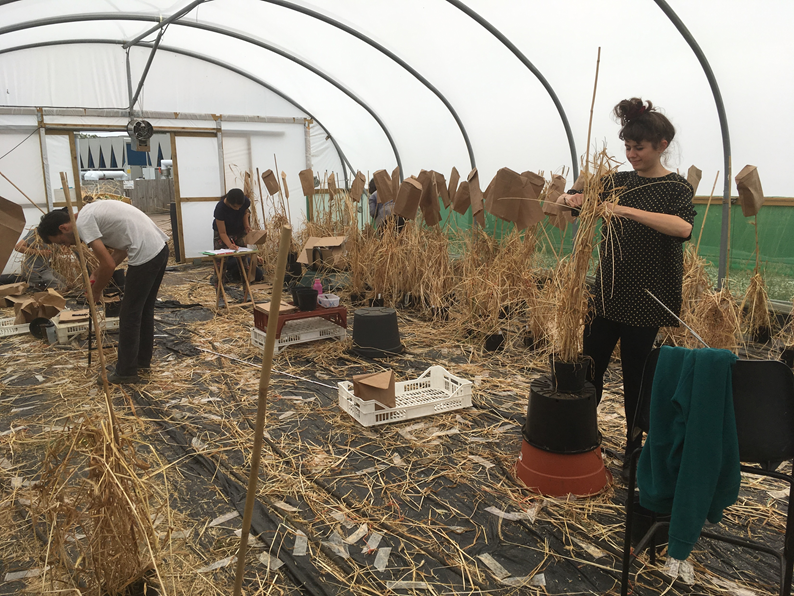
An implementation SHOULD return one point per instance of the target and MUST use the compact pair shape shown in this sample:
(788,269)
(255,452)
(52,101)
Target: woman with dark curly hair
(654,217)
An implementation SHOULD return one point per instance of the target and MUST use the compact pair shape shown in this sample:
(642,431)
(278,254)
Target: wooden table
(336,314)
(219,261)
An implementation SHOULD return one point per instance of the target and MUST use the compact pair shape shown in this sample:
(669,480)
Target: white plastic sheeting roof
(509,117)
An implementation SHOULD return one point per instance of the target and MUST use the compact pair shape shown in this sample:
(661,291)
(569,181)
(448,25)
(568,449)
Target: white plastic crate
(328,300)
(300,332)
(434,392)
(66,331)
(7,327)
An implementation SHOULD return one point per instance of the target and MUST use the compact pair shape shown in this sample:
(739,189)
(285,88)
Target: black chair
(763,399)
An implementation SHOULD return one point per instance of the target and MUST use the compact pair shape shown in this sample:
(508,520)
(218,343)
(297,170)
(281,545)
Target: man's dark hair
(235,197)
(50,224)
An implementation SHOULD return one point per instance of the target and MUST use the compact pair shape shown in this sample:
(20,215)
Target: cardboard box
(255,237)
(377,387)
(12,224)
(334,245)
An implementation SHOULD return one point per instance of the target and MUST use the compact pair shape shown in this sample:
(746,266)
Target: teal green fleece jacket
(689,466)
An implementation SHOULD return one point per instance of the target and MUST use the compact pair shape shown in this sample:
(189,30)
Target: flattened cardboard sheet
(74,316)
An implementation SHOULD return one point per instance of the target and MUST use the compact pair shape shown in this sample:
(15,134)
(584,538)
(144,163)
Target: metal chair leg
(624,577)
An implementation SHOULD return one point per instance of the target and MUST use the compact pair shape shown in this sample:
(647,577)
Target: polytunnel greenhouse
(417,297)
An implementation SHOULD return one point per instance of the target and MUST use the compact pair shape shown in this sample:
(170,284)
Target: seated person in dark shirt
(231,224)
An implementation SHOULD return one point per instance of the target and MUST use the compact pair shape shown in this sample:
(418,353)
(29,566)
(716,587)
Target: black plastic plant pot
(762,335)
(787,356)
(357,298)
(307,298)
(112,309)
(376,303)
(376,333)
(532,343)
(38,327)
(642,520)
(569,377)
(561,422)
(494,342)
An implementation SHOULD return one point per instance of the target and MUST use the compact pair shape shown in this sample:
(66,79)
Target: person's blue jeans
(136,321)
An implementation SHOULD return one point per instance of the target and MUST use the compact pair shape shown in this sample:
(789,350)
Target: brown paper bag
(378,387)
(284,184)
(332,186)
(454,178)
(462,200)
(408,198)
(248,187)
(555,190)
(506,184)
(751,195)
(693,176)
(307,182)
(431,210)
(395,182)
(50,303)
(383,186)
(271,182)
(357,188)
(578,183)
(441,189)
(477,206)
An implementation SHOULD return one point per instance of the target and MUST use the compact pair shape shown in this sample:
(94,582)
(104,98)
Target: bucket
(762,335)
(376,333)
(568,377)
(307,298)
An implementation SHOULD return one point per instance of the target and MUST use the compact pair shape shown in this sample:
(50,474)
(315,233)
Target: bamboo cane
(264,382)
(22,193)
(92,308)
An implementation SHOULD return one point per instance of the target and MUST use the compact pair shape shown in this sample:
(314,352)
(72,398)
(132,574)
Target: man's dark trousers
(136,321)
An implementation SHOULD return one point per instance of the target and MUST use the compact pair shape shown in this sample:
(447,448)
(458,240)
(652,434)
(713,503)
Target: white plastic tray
(7,327)
(300,332)
(434,392)
(66,331)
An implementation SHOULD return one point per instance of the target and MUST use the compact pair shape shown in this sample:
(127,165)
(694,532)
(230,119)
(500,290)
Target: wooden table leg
(219,272)
(244,275)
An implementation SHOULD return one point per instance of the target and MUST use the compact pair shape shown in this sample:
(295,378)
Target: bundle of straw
(716,320)
(755,308)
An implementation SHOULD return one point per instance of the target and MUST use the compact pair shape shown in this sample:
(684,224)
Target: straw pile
(716,318)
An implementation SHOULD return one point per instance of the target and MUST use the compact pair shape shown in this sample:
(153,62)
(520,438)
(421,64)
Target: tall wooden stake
(264,383)
(89,293)
(706,212)
(592,105)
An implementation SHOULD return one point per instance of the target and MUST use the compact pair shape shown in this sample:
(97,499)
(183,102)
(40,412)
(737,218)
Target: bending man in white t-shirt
(131,234)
